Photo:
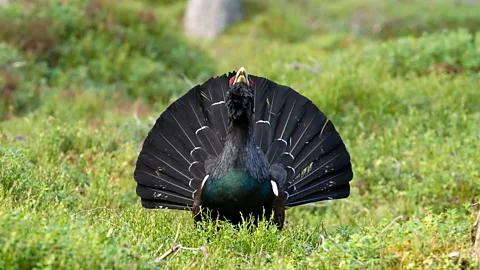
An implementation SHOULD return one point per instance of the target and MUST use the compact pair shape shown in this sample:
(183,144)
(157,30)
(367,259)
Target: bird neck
(240,151)
(239,141)
(239,104)
(240,135)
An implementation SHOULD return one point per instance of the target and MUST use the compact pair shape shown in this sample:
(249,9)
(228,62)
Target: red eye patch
(230,82)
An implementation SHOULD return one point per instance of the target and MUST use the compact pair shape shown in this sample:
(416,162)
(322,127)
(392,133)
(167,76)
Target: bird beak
(241,76)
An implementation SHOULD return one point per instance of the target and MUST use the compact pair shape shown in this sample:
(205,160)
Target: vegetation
(81,83)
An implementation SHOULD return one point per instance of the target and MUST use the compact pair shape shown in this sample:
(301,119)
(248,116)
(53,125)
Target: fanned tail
(293,132)
(300,145)
(171,165)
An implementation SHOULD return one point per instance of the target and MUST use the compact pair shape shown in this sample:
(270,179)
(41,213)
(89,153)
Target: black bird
(241,145)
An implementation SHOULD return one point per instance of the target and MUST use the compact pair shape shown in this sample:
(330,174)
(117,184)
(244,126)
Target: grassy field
(81,83)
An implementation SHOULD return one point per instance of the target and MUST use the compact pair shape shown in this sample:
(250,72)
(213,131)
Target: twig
(168,253)
(389,225)
(158,249)
(178,233)
(177,247)
(192,261)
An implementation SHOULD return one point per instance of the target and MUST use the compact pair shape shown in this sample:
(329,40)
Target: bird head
(240,77)
(239,99)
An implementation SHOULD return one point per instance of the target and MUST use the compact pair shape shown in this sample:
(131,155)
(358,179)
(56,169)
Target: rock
(206,19)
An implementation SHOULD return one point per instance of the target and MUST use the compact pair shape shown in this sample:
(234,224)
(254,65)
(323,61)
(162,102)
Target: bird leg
(279,211)
(197,202)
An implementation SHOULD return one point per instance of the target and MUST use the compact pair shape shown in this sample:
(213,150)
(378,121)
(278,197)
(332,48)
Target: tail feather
(337,192)
(274,104)
(199,154)
(317,147)
(276,149)
(183,117)
(209,140)
(304,141)
(164,204)
(149,193)
(335,160)
(332,180)
(164,165)
(294,109)
(310,126)
(215,91)
(170,167)
(147,177)
(262,132)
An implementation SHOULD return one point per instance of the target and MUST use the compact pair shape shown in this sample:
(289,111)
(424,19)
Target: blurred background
(82,82)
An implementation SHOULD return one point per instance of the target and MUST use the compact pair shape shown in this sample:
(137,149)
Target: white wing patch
(205,180)
(274,187)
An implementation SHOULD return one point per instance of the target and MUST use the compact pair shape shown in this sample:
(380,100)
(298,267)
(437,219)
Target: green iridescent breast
(238,190)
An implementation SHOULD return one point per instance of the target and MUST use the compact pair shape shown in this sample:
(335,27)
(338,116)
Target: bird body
(245,195)
(242,145)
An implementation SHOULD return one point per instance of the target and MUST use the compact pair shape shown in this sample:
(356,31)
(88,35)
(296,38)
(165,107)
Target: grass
(77,100)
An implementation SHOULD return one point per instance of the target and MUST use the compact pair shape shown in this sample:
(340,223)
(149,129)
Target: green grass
(78,95)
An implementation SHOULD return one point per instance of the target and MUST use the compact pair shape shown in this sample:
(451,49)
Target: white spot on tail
(191,164)
(204,127)
(263,122)
(290,154)
(193,150)
(282,140)
(274,187)
(205,180)
(290,167)
(218,103)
